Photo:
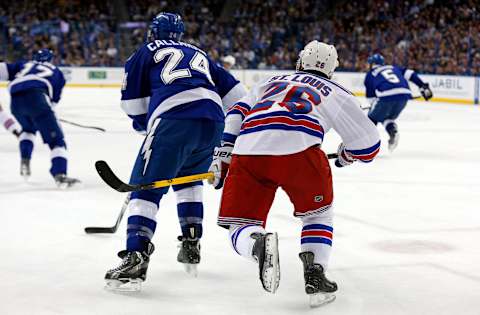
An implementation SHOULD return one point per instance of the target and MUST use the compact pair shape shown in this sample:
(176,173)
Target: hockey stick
(113,181)
(81,126)
(113,229)
(116,183)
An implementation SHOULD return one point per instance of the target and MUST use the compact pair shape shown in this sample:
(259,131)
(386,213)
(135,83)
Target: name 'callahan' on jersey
(197,80)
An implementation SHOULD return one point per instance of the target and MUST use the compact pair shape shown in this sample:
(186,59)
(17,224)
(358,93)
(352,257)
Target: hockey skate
(25,171)
(64,182)
(128,277)
(265,252)
(394,137)
(189,254)
(317,286)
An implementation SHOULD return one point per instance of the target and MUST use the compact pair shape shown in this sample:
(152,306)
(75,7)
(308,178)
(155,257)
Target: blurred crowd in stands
(430,36)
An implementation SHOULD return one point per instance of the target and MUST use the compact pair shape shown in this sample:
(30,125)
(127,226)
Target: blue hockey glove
(139,128)
(344,158)
(222,157)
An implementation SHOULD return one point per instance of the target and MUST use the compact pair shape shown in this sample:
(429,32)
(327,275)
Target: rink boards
(446,88)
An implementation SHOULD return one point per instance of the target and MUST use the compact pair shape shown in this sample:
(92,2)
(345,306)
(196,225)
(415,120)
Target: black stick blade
(97,230)
(110,178)
(332,156)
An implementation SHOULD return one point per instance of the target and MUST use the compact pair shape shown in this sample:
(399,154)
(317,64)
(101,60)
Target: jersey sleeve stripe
(236,93)
(408,74)
(227,137)
(365,155)
(134,107)
(391,92)
(3,71)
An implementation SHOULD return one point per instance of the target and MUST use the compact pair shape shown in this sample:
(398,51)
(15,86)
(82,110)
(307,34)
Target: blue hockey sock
(59,166)
(139,232)
(190,216)
(26,145)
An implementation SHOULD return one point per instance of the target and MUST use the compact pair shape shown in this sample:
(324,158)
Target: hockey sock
(141,223)
(59,161)
(190,216)
(26,145)
(241,240)
(317,233)
(190,211)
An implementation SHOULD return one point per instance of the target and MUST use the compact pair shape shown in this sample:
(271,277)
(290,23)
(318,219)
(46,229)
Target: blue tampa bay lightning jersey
(172,79)
(32,74)
(390,82)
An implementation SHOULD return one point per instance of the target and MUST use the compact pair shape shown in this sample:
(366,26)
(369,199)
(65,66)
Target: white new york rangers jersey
(289,113)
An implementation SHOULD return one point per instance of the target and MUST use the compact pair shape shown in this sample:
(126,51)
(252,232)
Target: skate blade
(319,299)
(271,267)
(393,146)
(191,269)
(66,186)
(132,285)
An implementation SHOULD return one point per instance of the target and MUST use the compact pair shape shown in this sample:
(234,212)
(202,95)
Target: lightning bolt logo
(146,149)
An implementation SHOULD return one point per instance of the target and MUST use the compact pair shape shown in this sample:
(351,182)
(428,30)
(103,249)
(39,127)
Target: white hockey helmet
(229,59)
(318,56)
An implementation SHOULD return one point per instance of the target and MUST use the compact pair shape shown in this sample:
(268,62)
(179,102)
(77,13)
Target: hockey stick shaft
(113,229)
(113,181)
(81,126)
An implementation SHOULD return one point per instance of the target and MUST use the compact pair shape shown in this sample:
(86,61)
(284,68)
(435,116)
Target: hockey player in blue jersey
(176,95)
(388,91)
(35,88)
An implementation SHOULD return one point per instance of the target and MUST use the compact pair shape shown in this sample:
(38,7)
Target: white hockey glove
(12,126)
(222,156)
(426,91)
(344,158)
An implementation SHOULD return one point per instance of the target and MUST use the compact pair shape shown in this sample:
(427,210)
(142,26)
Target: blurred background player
(35,88)
(9,122)
(276,132)
(176,94)
(228,62)
(388,91)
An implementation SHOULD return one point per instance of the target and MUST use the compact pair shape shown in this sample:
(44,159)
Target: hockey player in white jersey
(274,135)
(9,123)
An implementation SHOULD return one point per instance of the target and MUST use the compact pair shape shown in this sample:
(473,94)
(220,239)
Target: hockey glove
(344,158)
(426,91)
(222,156)
(138,128)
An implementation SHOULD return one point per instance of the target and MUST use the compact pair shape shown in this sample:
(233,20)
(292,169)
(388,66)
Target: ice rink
(406,240)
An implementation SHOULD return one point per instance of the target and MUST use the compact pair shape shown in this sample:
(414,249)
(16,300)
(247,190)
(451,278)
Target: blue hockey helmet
(166,26)
(43,55)
(376,59)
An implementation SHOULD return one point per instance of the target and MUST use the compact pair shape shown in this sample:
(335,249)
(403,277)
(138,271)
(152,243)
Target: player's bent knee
(190,194)
(320,217)
(142,208)
(56,142)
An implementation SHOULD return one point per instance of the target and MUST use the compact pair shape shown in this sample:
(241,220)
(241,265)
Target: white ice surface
(407,228)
